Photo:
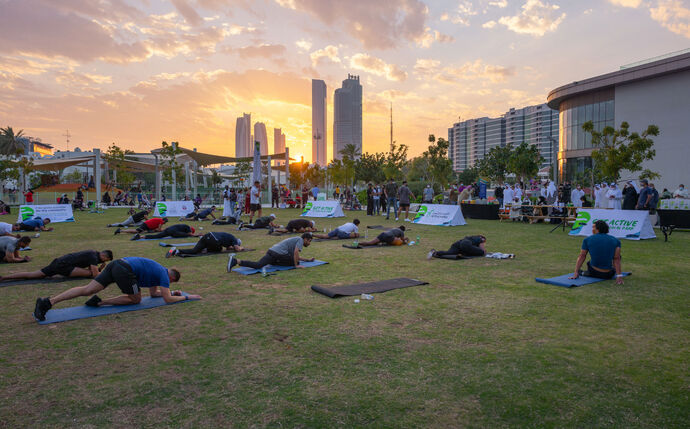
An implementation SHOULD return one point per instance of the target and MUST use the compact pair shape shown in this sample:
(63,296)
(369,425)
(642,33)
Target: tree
(350,154)
(369,168)
(314,174)
(619,149)
(396,162)
(297,173)
(469,175)
(169,162)
(243,170)
(525,161)
(10,142)
(336,171)
(116,157)
(440,167)
(419,169)
(495,163)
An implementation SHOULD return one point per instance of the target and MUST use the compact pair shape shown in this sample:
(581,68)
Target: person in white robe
(614,196)
(603,197)
(597,196)
(508,195)
(227,210)
(542,191)
(576,195)
(518,192)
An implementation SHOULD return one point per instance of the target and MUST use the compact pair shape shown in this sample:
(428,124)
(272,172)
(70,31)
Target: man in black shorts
(262,222)
(79,264)
(296,225)
(150,225)
(392,237)
(211,242)
(472,245)
(181,230)
(133,220)
(203,214)
(284,253)
(130,274)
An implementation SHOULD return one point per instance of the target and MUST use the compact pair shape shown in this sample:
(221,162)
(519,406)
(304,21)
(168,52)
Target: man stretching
(151,225)
(345,231)
(285,253)
(180,230)
(472,245)
(8,229)
(133,220)
(9,249)
(79,264)
(204,214)
(35,224)
(262,222)
(605,251)
(211,242)
(130,274)
(392,237)
(297,225)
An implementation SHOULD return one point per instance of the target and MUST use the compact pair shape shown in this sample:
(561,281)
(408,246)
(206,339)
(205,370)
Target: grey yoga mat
(373,287)
(45,280)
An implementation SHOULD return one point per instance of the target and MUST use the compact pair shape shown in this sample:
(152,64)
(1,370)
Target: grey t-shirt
(404,194)
(287,246)
(8,244)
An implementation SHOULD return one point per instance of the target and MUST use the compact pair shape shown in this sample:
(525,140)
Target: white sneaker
(430,254)
(396,219)
(407,220)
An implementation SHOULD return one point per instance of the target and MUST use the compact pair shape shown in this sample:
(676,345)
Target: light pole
(554,158)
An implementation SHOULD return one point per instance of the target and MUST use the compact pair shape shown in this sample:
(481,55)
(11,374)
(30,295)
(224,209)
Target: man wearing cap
(210,242)
(181,230)
(262,222)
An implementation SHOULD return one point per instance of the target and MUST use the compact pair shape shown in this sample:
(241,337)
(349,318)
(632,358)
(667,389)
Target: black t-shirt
(475,239)
(83,259)
(391,234)
(296,224)
(263,221)
(139,216)
(205,212)
(498,193)
(180,228)
(225,239)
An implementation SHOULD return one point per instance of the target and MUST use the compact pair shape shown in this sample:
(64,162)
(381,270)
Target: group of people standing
(383,198)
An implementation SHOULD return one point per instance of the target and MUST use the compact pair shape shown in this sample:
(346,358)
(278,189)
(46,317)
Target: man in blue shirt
(645,196)
(35,224)
(605,251)
(130,274)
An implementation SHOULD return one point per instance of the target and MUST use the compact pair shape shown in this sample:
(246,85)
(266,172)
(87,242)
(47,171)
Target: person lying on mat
(605,255)
(285,253)
(347,230)
(297,225)
(181,230)
(191,215)
(210,242)
(205,213)
(152,225)
(35,224)
(134,219)
(130,274)
(392,237)
(262,222)
(232,219)
(9,249)
(6,229)
(87,263)
(472,245)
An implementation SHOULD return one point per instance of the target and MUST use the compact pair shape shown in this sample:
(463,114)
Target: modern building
(347,116)
(319,133)
(261,137)
(243,139)
(35,148)
(470,140)
(278,143)
(655,91)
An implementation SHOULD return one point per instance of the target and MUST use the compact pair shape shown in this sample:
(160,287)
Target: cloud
(377,67)
(673,15)
(537,18)
(425,66)
(429,37)
(187,12)
(376,24)
(489,24)
(627,3)
(304,45)
(462,13)
(474,70)
(329,52)
(500,3)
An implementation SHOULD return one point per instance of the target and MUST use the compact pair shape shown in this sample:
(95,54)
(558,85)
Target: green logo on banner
(162,209)
(420,213)
(307,208)
(27,213)
(582,219)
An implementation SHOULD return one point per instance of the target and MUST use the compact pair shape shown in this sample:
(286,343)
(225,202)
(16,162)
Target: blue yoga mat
(564,281)
(176,244)
(245,271)
(83,312)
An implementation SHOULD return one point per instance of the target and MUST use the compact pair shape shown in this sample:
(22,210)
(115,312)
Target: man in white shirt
(345,231)
(254,200)
(576,195)
(681,192)
(7,228)
(508,195)
(614,197)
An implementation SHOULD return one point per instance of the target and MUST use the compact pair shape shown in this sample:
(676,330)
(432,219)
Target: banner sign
(439,214)
(55,212)
(630,224)
(323,209)
(173,208)
(674,204)
(482,189)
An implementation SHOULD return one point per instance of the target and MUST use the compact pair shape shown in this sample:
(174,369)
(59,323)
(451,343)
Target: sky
(135,73)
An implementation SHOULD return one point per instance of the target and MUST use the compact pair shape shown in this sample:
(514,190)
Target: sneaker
(396,219)
(93,301)
(239,227)
(430,254)
(407,220)
(117,231)
(171,252)
(232,261)
(136,237)
(42,307)
(270,230)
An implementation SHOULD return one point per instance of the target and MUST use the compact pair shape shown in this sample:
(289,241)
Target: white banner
(674,204)
(630,224)
(439,214)
(323,209)
(55,212)
(173,208)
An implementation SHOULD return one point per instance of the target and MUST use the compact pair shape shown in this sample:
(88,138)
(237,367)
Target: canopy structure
(60,164)
(205,159)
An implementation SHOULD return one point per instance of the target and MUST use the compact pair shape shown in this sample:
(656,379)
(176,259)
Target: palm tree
(350,154)
(10,144)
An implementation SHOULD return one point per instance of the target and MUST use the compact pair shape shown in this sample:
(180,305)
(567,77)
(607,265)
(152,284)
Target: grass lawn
(483,345)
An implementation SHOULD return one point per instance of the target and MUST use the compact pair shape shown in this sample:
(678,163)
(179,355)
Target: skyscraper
(347,116)
(319,132)
(243,136)
(278,142)
(261,137)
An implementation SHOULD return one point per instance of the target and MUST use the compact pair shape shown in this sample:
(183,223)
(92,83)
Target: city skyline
(319,124)
(347,116)
(134,73)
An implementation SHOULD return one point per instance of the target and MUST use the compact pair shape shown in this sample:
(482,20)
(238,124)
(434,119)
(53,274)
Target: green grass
(483,345)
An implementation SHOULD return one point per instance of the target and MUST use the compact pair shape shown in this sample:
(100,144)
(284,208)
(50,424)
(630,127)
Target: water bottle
(367,296)
(417,242)
(263,271)
(356,301)
(38,234)
(355,243)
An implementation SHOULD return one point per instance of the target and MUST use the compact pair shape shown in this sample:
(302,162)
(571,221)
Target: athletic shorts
(386,238)
(120,273)
(254,207)
(2,255)
(404,206)
(143,228)
(57,267)
(338,233)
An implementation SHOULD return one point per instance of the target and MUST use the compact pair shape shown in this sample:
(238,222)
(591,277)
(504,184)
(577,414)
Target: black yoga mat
(373,287)
(46,280)
(195,255)
(349,246)
(456,257)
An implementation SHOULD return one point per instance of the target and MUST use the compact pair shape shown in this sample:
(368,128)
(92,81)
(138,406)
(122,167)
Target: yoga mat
(46,280)
(192,255)
(349,246)
(245,271)
(83,312)
(564,281)
(373,287)
(164,238)
(176,244)
(387,227)
(456,257)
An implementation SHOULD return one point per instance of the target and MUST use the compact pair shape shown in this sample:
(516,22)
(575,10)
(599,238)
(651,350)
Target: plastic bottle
(418,239)
(38,234)
(367,296)
(263,271)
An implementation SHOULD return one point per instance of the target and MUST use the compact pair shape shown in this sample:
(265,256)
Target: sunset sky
(139,72)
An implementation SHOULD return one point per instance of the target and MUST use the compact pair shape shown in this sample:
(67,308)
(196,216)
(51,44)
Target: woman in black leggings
(473,245)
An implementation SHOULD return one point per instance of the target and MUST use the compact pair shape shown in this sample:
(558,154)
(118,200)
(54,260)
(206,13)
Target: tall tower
(319,132)
(278,143)
(347,116)
(261,137)
(243,136)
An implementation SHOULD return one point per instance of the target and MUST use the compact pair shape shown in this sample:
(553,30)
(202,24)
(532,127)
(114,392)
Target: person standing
(377,199)
(255,200)
(508,195)
(29,195)
(575,196)
(227,209)
(391,192)
(629,196)
(645,196)
(274,196)
(405,196)
(370,199)
(498,194)
(428,194)
(614,196)
(315,192)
